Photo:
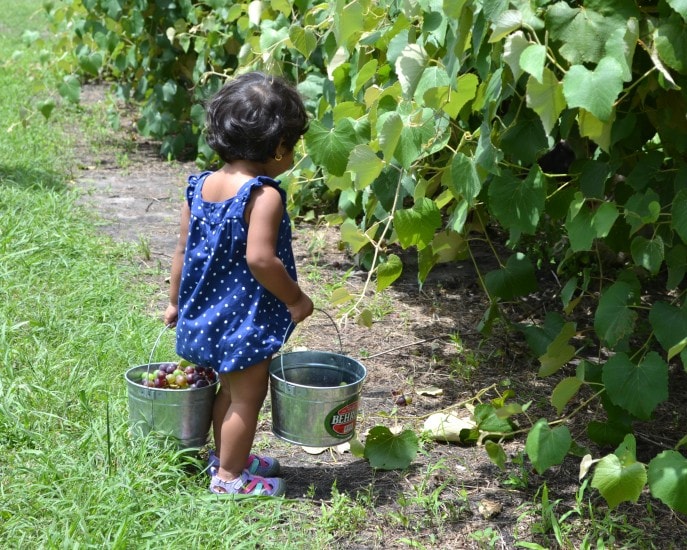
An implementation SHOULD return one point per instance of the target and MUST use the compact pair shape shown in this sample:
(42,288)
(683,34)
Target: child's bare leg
(248,389)
(219,410)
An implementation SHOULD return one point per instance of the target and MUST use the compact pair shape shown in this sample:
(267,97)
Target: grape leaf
(618,483)
(594,91)
(331,148)
(388,272)
(547,447)
(614,319)
(387,451)
(365,164)
(416,226)
(515,279)
(546,98)
(668,479)
(518,203)
(558,352)
(564,391)
(637,388)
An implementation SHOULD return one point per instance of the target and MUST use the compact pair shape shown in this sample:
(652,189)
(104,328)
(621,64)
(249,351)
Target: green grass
(72,320)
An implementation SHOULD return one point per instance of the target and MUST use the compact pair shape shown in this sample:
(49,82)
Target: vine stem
(377,245)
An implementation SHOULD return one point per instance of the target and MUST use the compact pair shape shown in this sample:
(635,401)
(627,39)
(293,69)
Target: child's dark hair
(251,114)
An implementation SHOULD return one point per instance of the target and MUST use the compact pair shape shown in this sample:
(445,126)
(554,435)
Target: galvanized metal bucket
(315,397)
(184,415)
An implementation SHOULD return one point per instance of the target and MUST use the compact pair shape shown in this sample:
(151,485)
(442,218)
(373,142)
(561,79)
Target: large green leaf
(564,391)
(525,140)
(668,479)
(505,24)
(637,388)
(583,32)
(489,422)
(515,44)
(516,203)
(421,133)
(331,147)
(416,226)
(365,164)
(390,129)
(579,223)
(679,214)
(621,46)
(669,324)
(676,261)
(348,22)
(304,40)
(450,100)
(648,253)
(614,319)
(545,97)
(464,181)
(558,352)
(619,477)
(642,209)
(387,451)
(671,44)
(605,216)
(594,91)
(547,447)
(432,78)
(388,272)
(409,67)
(680,6)
(515,279)
(70,89)
(532,61)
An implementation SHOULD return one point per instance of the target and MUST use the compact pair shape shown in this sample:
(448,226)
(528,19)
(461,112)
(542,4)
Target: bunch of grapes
(177,376)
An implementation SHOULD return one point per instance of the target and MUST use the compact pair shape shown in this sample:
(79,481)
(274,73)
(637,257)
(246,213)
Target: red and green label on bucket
(340,421)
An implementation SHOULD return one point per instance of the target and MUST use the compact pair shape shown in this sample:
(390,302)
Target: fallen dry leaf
(489,508)
(447,427)
(431,391)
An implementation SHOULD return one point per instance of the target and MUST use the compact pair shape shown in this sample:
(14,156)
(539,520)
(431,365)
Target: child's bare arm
(264,216)
(172,312)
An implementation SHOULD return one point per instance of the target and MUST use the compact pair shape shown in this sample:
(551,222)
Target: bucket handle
(157,341)
(338,334)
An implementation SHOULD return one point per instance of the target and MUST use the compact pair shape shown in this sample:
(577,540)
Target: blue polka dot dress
(227,320)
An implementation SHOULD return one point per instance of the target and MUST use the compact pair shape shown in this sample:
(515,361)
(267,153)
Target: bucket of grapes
(172,399)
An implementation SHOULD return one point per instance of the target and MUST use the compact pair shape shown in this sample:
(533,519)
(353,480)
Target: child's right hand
(301,309)
(171,315)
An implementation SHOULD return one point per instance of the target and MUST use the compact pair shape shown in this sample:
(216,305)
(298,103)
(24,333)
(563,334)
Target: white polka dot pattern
(227,320)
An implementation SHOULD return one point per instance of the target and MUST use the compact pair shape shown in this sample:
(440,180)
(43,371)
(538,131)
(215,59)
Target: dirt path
(451,496)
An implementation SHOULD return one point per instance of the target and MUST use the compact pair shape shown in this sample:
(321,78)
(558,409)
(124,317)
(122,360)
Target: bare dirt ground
(451,496)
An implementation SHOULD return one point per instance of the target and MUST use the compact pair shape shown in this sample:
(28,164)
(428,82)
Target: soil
(451,496)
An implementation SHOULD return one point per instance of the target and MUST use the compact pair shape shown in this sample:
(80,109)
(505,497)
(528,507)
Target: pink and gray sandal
(263,466)
(248,485)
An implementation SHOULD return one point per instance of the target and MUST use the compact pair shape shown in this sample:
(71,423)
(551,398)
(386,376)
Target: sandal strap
(263,486)
(261,461)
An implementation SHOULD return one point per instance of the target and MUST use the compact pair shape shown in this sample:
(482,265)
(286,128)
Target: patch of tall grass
(72,320)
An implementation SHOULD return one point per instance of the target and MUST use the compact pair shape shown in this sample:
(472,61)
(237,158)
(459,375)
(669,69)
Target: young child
(233,294)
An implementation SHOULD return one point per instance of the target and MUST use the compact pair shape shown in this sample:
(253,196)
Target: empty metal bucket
(183,414)
(315,397)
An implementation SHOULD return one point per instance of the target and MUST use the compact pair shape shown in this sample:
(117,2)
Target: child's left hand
(301,309)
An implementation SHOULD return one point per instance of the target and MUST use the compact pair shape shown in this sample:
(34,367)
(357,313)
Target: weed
(432,503)
(486,538)
(144,248)
(520,479)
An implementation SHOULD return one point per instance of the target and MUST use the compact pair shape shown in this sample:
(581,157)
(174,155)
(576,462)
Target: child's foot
(248,485)
(263,466)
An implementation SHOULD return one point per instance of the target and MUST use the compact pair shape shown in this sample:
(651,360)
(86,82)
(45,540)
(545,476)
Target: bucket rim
(135,384)
(277,367)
